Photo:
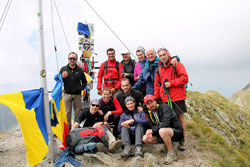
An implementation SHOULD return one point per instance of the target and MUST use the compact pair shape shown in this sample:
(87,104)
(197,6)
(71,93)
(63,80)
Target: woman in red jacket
(169,85)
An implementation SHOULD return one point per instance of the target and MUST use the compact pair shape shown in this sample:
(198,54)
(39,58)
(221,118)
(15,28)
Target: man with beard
(165,126)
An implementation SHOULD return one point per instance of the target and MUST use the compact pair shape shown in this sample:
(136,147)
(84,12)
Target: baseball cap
(125,51)
(148,97)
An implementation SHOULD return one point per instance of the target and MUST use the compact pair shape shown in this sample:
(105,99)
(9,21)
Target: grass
(221,127)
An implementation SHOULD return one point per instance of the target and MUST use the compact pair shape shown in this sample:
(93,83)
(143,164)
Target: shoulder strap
(105,65)
(117,65)
(157,70)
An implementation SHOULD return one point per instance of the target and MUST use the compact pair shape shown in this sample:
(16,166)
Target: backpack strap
(117,67)
(105,69)
(157,71)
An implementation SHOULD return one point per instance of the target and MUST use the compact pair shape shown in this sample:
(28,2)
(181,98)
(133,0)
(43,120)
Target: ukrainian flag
(57,109)
(29,111)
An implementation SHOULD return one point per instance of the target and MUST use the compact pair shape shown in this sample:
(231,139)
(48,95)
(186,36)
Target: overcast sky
(212,38)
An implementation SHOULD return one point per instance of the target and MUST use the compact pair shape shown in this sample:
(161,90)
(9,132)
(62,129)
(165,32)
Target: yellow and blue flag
(57,109)
(29,110)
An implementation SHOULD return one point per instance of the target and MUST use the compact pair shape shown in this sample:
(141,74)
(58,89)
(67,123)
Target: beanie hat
(129,98)
(140,48)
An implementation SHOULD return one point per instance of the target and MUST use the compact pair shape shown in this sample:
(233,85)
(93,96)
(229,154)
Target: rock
(151,160)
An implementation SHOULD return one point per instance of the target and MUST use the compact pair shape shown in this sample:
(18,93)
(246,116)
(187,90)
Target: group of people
(144,100)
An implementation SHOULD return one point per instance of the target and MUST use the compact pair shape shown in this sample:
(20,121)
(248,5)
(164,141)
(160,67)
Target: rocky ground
(13,153)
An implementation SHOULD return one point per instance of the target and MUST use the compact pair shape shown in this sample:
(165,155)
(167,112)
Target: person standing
(170,87)
(128,65)
(148,73)
(74,82)
(109,74)
(140,53)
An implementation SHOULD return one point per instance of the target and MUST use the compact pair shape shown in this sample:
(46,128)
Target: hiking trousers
(75,100)
(127,135)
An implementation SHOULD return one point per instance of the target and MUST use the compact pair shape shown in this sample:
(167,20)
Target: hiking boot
(170,158)
(181,146)
(138,151)
(101,148)
(115,146)
(126,152)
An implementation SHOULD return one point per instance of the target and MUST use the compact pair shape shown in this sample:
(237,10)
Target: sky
(211,37)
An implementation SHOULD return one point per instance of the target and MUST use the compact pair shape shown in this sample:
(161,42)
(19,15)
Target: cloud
(211,37)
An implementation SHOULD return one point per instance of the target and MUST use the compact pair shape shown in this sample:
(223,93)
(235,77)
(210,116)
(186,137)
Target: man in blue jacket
(148,73)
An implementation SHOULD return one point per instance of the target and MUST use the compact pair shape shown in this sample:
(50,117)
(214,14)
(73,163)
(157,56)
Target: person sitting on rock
(93,117)
(111,109)
(131,126)
(164,124)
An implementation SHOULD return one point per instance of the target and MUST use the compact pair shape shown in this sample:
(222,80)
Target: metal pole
(43,79)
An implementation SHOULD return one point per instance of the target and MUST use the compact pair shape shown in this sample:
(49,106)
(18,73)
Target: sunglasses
(72,58)
(95,105)
(160,49)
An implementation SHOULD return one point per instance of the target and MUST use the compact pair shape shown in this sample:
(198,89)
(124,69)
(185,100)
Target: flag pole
(51,154)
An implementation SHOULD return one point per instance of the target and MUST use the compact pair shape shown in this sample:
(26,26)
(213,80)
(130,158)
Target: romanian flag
(57,109)
(29,111)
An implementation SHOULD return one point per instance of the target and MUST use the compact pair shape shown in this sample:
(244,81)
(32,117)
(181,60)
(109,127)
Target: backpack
(80,136)
(106,66)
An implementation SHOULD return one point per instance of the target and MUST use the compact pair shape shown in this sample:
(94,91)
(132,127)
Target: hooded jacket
(177,76)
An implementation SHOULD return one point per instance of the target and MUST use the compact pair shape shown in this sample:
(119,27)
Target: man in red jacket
(109,74)
(169,85)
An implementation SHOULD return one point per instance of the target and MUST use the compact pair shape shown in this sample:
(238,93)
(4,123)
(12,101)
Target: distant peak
(246,87)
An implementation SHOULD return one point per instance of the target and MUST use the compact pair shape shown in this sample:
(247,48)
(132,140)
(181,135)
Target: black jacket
(75,82)
(166,119)
(110,106)
(129,68)
(91,119)
(135,94)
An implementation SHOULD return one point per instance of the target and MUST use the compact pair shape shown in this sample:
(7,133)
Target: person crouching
(165,126)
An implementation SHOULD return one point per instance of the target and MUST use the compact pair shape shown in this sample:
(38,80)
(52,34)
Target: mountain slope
(242,97)
(220,126)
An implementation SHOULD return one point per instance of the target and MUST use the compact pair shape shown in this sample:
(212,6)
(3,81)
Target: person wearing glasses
(110,74)
(74,82)
(170,87)
(94,117)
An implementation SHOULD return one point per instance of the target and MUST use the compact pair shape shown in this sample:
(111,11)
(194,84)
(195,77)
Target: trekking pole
(168,94)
